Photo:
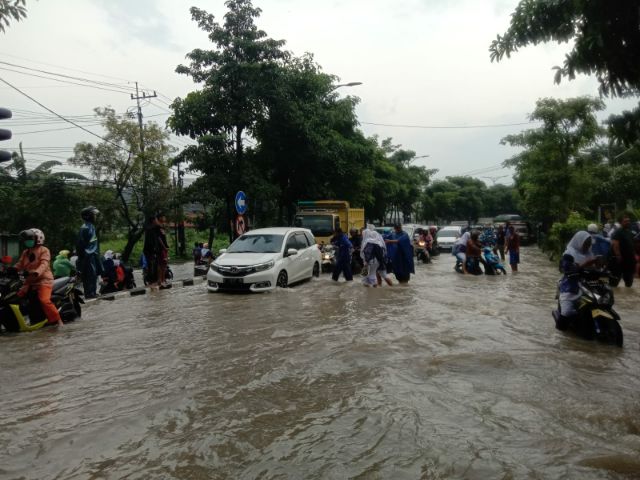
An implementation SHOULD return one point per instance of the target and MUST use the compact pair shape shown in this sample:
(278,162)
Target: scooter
(328,258)
(473,266)
(25,314)
(493,266)
(422,252)
(596,318)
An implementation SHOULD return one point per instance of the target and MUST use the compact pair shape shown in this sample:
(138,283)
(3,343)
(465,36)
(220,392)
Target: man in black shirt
(624,257)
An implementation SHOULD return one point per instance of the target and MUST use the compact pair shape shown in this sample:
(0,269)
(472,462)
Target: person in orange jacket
(35,261)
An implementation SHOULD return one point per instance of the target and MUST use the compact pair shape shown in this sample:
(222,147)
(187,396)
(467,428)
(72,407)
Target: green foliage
(11,9)
(466,198)
(561,232)
(139,180)
(604,34)
(547,176)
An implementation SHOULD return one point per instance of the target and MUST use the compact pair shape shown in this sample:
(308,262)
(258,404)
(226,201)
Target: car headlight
(214,266)
(264,266)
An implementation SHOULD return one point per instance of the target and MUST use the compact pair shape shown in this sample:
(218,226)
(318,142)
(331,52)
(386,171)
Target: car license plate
(233,281)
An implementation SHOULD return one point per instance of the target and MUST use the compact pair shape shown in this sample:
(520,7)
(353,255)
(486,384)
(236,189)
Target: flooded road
(449,377)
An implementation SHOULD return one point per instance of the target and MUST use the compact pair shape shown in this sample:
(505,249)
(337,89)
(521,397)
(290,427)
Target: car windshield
(257,243)
(320,225)
(447,233)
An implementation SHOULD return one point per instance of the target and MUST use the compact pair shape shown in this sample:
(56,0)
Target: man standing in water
(342,247)
(89,264)
(624,258)
(402,259)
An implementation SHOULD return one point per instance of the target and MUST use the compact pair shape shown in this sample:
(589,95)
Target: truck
(323,217)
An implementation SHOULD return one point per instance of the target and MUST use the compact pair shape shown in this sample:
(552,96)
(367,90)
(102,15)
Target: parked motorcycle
(596,318)
(25,314)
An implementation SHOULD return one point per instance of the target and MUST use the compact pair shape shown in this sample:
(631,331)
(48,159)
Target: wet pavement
(449,377)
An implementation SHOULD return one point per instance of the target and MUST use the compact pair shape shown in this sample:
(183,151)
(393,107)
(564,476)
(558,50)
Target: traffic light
(5,135)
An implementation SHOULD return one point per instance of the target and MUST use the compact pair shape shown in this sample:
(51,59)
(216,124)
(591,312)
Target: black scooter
(26,314)
(596,319)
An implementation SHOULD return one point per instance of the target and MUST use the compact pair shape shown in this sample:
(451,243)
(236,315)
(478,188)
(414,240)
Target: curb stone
(187,282)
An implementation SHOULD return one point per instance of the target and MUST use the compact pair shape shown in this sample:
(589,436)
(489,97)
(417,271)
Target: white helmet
(39,236)
(592,228)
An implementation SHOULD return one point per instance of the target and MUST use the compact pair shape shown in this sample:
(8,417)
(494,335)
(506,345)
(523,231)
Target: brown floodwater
(449,377)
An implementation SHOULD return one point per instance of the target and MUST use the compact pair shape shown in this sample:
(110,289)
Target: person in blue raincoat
(89,264)
(402,258)
(343,249)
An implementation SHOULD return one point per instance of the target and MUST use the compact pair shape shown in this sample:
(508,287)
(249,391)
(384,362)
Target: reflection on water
(449,377)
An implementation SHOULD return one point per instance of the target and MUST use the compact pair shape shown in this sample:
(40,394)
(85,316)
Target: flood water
(449,377)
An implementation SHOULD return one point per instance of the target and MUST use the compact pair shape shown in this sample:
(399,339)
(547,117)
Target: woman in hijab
(108,273)
(373,252)
(459,250)
(577,256)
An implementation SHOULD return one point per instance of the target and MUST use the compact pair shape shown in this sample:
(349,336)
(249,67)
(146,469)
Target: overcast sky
(421,62)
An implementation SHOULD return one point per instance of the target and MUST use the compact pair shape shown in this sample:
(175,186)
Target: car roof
(451,227)
(276,231)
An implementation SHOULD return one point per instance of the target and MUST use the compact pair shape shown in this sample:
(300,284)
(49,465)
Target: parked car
(447,236)
(265,258)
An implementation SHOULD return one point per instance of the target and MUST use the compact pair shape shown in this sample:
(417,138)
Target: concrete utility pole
(137,98)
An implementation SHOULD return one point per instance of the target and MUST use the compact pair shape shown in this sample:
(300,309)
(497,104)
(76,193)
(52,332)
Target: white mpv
(264,259)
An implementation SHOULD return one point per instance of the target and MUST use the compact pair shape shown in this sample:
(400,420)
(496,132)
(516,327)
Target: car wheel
(316,270)
(283,280)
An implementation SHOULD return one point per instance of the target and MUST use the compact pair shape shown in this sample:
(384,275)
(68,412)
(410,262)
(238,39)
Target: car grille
(234,271)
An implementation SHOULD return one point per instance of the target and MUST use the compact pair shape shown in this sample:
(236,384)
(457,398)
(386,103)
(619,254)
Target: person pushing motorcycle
(35,262)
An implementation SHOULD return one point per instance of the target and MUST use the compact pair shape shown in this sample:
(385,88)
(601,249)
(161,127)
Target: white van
(447,236)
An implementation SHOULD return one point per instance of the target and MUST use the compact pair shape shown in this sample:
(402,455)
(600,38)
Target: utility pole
(137,98)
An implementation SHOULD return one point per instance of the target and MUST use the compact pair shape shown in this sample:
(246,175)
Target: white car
(447,236)
(264,259)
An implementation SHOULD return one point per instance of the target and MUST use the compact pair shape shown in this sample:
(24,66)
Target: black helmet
(88,214)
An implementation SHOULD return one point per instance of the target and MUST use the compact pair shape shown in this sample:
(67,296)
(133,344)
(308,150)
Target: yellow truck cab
(323,217)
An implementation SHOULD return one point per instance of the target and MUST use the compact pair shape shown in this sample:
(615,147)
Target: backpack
(119,274)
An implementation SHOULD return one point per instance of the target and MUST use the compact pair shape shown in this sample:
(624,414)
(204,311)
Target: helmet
(89,213)
(39,236)
(32,234)
(64,253)
(592,228)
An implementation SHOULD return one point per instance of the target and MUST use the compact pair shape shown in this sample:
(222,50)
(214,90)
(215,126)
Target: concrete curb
(187,282)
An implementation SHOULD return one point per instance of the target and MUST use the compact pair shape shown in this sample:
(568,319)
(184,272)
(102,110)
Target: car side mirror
(222,250)
(291,251)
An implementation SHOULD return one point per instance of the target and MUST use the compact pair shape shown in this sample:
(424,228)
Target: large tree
(606,43)
(544,167)
(133,175)
(309,141)
(234,79)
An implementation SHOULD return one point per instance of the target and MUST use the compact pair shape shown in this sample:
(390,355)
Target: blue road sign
(241,202)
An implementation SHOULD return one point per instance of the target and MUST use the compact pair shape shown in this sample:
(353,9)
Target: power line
(60,116)
(64,68)
(497,125)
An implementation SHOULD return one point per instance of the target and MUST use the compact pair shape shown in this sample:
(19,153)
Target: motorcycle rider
(62,267)
(89,264)
(35,261)
(578,255)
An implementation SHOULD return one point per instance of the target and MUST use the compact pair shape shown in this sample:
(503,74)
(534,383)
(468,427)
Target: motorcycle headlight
(326,256)
(264,266)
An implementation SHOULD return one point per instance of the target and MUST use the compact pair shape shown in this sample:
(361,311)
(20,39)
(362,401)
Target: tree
(544,168)
(11,9)
(605,34)
(117,163)
(606,44)
(235,78)
(309,141)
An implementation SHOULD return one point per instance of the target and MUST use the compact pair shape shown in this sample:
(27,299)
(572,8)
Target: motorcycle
(596,318)
(493,265)
(328,258)
(473,266)
(422,252)
(26,314)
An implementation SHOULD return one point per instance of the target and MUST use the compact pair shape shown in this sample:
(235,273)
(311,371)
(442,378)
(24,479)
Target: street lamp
(350,84)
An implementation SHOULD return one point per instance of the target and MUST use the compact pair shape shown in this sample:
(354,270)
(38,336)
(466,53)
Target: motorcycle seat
(60,283)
